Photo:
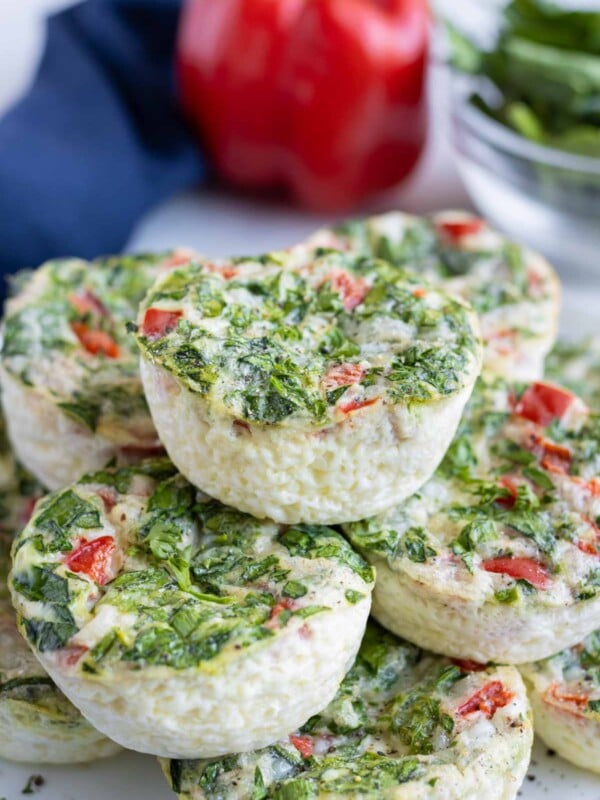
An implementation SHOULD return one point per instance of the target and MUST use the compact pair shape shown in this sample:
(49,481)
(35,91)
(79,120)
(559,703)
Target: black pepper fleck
(34,782)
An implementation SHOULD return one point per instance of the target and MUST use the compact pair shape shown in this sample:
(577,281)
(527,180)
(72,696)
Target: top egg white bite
(71,388)
(404,725)
(319,391)
(181,627)
(515,292)
(496,558)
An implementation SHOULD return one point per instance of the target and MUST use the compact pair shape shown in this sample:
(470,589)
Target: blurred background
(70,185)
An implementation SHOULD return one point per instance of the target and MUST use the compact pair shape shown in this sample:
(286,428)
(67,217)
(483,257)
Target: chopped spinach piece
(318,541)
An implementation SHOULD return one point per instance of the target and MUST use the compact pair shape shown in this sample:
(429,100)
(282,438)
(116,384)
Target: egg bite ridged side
(180,626)
(515,292)
(496,558)
(404,725)
(69,369)
(313,391)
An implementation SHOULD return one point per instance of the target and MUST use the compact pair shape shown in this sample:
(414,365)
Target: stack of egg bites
(247,458)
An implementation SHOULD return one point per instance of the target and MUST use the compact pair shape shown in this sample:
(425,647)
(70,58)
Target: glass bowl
(545,197)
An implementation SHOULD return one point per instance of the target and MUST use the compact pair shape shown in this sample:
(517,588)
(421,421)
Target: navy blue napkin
(98,140)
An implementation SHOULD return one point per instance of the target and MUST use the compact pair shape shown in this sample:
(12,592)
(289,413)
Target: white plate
(135,777)
(131,776)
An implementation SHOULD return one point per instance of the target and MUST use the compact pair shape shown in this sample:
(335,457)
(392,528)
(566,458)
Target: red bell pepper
(303,744)
(467,665)
(157,322)
(457,230)
(571,702)
(95,341)
(488,700)
(93,558)
(342,375)
(526,569)
(542,403)
(323,97)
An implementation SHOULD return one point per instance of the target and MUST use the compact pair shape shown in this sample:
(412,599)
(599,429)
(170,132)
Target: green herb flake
(354,597)
(294,589)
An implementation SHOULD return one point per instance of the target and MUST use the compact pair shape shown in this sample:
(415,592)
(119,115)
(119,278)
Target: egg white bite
(576,365)
(564,689)
(565,696)
(404,725)
(37,722)
(496,558)
(179,626)
(315,390)
(515,292)
(71,389)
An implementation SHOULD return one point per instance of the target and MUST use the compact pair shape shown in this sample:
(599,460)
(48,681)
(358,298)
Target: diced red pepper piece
(109,497)
(342,375)
(556,459)
(535,282)
(177,259)
(501,340)
(303,744)
(93,558)
(355,405)
(158,322)
(286,604)
(553,457)
(95,341)
(227,271)
(589,548)
(593,487)
(241,426)
(543,403)
(305,631)
(488,700)
(86,302)
(467,665)
(526,569)
(570,702)
(351,289)
(70,655)
(510,484)
(455,230)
